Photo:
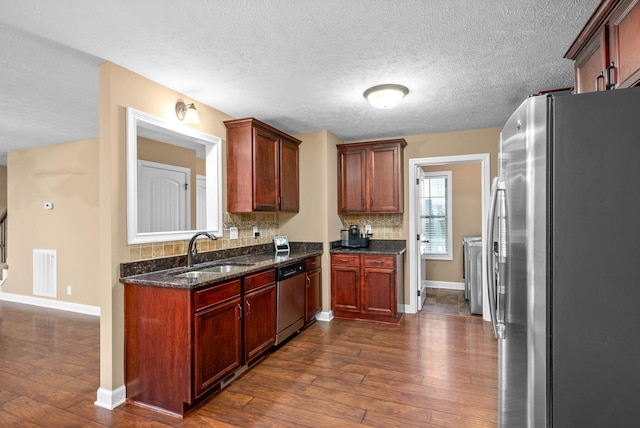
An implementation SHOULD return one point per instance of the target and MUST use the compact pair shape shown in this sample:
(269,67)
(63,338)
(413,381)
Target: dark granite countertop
(251,263)
(376,246)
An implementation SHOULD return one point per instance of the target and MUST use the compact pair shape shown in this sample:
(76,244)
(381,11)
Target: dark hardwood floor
(431,370)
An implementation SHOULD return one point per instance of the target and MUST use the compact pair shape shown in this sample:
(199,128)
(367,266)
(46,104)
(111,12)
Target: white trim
(110,399)
(213,159)
(412,247)
(325,316)
(445,284)
(51,304)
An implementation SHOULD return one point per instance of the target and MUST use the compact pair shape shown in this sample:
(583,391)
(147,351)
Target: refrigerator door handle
(491,271)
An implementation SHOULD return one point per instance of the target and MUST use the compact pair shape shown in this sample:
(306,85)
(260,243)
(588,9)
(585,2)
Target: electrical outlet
(68,290)
(367,229)
(233,233)
(256,233)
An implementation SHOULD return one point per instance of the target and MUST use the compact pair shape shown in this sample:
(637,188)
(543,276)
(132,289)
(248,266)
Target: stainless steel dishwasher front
(290,300)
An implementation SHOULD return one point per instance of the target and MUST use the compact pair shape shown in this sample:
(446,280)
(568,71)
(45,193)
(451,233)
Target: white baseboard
(325,316)
(444,284)
(51,304)
(110,399)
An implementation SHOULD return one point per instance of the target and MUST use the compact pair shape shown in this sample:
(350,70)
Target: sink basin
(223,268)
(196,274)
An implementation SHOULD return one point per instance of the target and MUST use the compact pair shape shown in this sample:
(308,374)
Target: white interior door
(163,197)
(422,240)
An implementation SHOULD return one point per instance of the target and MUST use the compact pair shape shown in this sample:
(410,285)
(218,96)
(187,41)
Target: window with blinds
(435,215)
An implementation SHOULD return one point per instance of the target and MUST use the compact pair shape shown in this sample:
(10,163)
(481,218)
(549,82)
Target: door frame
(412,247)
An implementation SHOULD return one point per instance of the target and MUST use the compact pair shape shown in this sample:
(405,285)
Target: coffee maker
(352,238)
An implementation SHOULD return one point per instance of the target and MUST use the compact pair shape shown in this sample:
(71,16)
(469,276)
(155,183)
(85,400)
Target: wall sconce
(187,112)
(385,96)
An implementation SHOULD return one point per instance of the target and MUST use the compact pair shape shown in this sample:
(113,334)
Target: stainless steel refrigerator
(563,258)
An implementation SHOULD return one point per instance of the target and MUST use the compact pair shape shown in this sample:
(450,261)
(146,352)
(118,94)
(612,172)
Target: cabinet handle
(611,76)
(308,282)
(600,79)
(362,202)
(239,312)
(371,202)
(248,309)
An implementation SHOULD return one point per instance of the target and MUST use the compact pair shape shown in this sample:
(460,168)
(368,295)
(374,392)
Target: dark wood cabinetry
(367,286)
(181,343)
(313,295)
(259,314)
(370,177)
(217,344)
(262,168)
(607,51)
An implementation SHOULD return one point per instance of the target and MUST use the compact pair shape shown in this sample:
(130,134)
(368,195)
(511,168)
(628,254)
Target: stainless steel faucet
(192,250)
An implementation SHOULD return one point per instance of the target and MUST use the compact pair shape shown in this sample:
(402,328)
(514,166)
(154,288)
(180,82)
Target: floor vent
(45,273)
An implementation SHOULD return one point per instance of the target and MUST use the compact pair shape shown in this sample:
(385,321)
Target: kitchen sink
(214,270)
(196,274)
(224,268)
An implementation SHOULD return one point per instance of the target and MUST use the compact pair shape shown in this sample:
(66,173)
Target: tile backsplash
(267,224)
(384,226)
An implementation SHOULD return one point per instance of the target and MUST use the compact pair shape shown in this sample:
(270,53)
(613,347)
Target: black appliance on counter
(352,238)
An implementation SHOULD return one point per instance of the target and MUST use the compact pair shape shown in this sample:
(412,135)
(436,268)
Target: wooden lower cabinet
(217,344)
(313,294)
(367,286)
(259,314)
(180,344)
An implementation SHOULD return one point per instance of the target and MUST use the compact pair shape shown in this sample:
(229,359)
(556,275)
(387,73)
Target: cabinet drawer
(216,294)
(380,261)
(313,263)
(260,279)
(345,260)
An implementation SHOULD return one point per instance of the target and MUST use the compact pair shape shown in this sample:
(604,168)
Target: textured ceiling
(299,65)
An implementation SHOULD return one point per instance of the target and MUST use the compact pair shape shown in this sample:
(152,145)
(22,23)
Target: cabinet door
(352,180)
(217,343)
(591,63)
(379,293)
(259,321)
(385,179)
(313,295)
(625,24)
(289,164)
(345,288)
(265,170)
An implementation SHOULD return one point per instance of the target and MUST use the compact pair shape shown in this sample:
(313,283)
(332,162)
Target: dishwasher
(290,301)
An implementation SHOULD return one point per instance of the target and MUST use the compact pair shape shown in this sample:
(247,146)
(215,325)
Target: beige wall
(317,220)
(120,88)
(475,141)
(66,175)
(467,217)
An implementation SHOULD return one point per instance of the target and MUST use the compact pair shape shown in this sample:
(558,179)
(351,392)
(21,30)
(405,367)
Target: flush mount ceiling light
(187,112)
(385,96)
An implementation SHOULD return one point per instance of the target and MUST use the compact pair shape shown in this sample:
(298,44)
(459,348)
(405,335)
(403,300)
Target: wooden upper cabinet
(370,177)
(607,51)
(262,168)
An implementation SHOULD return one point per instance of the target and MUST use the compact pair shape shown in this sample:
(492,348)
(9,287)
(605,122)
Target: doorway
(416,272)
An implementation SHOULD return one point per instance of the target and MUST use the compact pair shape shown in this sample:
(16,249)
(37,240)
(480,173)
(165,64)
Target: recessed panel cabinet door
(352,181)
(217,343)
(385,181)
(345,293)
(379,295)
(259,321)
(265,170)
